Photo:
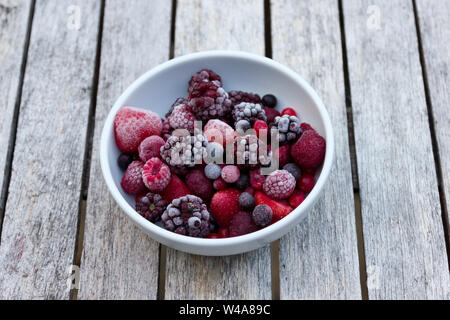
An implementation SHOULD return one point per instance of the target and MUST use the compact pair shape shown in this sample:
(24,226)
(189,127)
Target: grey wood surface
(215,24)
(40,224)
(434,25)
(402,226)
(319,259)
(119,261)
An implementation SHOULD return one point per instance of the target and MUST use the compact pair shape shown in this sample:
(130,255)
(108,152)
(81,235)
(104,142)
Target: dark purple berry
(262,215)
(247,201)
(151,206)
(243,182)
(124,161)
(269,100)
(293,169)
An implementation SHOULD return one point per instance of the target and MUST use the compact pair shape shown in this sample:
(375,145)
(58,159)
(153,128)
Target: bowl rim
(259,235)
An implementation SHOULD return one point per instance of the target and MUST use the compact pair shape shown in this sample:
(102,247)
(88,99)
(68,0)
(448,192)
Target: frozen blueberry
(293,169)
(262,215)
(243,182)
(124,161)
(247,201)
(212,171)
(270,101)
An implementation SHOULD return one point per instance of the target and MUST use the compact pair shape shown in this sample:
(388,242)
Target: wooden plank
(14,20)
(215,24)
(119,261)
(319,259)
(403,233)
(40,225)
(435,33)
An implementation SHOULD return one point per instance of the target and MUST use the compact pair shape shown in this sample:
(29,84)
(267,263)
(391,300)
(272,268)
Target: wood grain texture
(202,25)
(14,21)
(119,261)
(40,224)
(319,259)
(403,233)
(435,33)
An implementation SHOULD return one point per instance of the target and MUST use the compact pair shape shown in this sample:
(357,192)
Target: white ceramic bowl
(157,90)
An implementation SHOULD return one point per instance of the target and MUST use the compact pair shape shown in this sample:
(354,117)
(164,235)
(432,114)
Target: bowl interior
(159,88)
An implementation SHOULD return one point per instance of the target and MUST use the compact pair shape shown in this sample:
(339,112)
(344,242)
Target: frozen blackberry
(288,128)
(177,102)
(208,100)
(204,75)
(242,126)
(249,111)
(237,97)
(184,151)
(247,201)
(247,151)
(188,216)
(151,206)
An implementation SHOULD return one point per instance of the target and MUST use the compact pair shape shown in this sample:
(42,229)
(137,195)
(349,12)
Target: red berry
(250,190)
(257,179)
(259,126)
(219,184)
(230,174)
(133,125)
(306,182)
(279,209)
(156,175)
(271,114)
(224,205)
(279,184)
(223,233)
(175,189)
(306,126)
(297,198)
(150,148)
(283,154)
(289,112)
(309,150)
(132,182)
(219,131)
(213,236)
(199,184)
(241,223)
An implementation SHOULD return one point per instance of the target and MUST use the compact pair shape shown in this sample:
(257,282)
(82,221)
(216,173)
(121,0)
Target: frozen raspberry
(188,216)
(289,112)
(132,125)
(175,189)
(279,185)
(279,209)
(204,75)
(243,182)
(199,184)
(271,114)
(151,206)
(177,102)
(224,205)
(150,148)
(212,171)
(306,126)
(251,152)
(166,130)
(293,169)
(184,151)
(237,97)
(124,161)
(269,100)
(247,201)
(182,118)
(241,223)
(257,180)
(219,131)
(230,174)
(297,198)
(262,215)
(249,111)
(283,155)
(288,128)
(132,182)
(306,182)
(309,150)
(208,100)
(156,175)
(219,184)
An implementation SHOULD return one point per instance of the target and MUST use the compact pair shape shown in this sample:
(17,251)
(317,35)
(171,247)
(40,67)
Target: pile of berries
(181,174)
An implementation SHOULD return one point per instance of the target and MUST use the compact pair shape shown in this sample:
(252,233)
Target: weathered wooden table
(381,230)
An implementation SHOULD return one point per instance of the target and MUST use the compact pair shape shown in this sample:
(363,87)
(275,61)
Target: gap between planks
(434,144)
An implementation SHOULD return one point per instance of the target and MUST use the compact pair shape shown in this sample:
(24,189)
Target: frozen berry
(242,126)
(279,185)
(177,102)
(204,75)
(269,100)
(262,215)
(293,169)
(199,184)
(306,126)
(213,236)
(208,100)
(248,111)
(224,204)
(182,118)
(271,114)
(241,223)
(223,233)
(150,148)
(243,182)
(309,150)
(156,175)
(297,198)
(306,182)
(132,182)
(219,184)
(184,150)
(151,206)
(212,171)
(261,128)
(257,179)
(237,97)
(219,131)
(247,201)
(250,190)
(230,174)
(289,112)
(175,189)
(283,155)
(279,209)
(132,125)
(288,128)
(124,161)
